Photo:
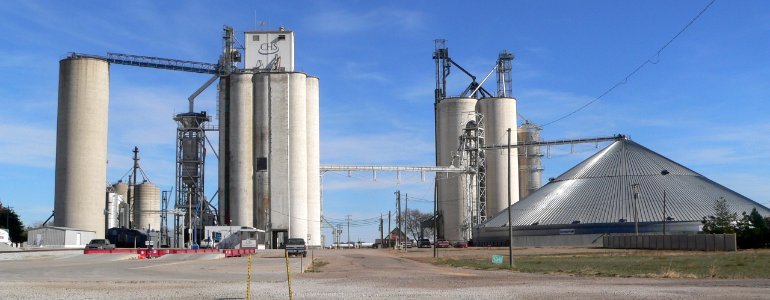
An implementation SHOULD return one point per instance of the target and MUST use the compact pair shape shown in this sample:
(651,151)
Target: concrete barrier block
(710,241)
(700,242)
(719,242)
(692,242)
(731,242)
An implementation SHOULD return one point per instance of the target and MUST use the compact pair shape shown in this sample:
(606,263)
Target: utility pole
(635,187)
(665,218)
(435,214)
(381,235)
(389,230)
(406,221)
(348,217)
(131,187)
(398,216)
(510,228)
(406,216)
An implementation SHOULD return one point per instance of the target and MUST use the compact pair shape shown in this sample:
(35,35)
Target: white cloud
(346,21)
(359,71)
(27,145)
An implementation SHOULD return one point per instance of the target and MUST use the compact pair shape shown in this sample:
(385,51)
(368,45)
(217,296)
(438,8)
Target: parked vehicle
(126,238)
(443,244)
(462,244)
(296,247)
(423,243)
(100,244)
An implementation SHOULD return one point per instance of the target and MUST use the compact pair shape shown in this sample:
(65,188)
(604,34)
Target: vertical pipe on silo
(241,149)
(81,144)
(313,163)
(499,115)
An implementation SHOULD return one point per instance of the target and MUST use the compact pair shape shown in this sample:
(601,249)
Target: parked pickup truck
(100,244)
(296,247)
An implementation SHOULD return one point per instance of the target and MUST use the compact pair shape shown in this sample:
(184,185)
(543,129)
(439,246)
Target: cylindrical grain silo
(453,115)
(499,114)
(81,144)
(530,166)
(147,206)
(287,163)
(298,168)
(261,82)
(222,195)
(111,209)
(313,164)
(241,186)
(121,188)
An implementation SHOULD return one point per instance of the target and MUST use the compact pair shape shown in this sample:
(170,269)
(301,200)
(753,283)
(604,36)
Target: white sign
(148,243)
(269,50)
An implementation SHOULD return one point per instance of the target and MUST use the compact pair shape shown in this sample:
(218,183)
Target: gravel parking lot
(348,274)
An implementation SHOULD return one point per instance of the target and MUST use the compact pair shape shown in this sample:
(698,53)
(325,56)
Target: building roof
(60,228)
(600,190)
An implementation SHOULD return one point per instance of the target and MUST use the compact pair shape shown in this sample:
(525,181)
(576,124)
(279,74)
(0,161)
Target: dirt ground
(348,274)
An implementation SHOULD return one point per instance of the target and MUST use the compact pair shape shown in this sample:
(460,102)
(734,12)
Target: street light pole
(635,186)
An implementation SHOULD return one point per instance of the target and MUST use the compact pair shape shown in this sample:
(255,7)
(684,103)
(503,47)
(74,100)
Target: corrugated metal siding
(58,236)
(599,190)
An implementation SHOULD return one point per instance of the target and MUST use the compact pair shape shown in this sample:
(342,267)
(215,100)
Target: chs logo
(268,48)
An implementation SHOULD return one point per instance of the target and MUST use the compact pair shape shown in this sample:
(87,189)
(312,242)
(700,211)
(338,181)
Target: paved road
(350,274)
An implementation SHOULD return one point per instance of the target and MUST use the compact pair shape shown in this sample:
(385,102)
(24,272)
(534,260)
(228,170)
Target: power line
(642,65)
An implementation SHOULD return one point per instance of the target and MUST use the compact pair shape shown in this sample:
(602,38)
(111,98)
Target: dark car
(296,247)
(443,244)
(461,244)
(100,244)
(423,243)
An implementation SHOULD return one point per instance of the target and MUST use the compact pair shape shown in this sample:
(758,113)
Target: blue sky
(703,104)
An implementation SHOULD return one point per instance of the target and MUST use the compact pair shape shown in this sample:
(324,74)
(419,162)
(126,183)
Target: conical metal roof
(599,190)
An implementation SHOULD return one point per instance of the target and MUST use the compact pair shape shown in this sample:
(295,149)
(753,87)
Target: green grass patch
(744,264)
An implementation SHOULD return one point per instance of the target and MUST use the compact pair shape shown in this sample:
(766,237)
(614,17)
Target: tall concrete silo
(285,94)
(313,163)
(240,152)
(81,144)
(499,115)
(223,175)
(147,206)
(530,166)
(453,114)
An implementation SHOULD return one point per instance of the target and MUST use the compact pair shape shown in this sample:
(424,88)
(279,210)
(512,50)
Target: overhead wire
(649,60)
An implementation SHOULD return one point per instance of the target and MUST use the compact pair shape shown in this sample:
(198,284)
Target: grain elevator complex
(268,148)
(488,161)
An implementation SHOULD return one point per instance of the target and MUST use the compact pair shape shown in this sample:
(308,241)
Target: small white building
(5,237)
(59,237)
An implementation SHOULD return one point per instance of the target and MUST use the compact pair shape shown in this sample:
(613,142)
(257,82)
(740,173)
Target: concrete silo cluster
(268,144)
(467,129)
(459,200)
(269,129)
